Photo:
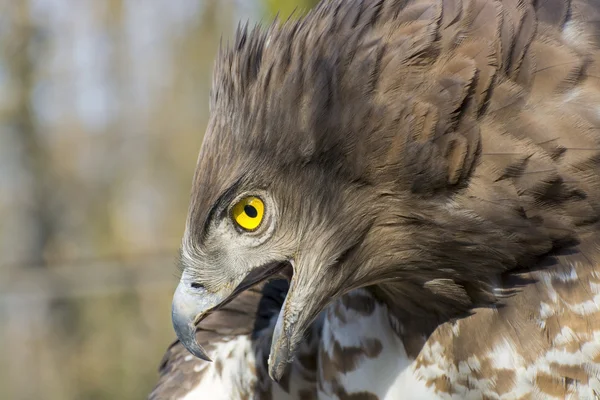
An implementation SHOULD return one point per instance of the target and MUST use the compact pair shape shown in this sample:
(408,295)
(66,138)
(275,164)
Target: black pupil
(250,211)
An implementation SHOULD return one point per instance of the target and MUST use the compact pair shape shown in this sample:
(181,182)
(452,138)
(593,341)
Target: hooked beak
(192,302)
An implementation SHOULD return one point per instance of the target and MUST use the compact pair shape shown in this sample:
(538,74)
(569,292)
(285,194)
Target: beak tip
(188,340)
(279,356)
(191,344)
(186,333)
(276,370)
(185,313)
(278,360)
(200,353)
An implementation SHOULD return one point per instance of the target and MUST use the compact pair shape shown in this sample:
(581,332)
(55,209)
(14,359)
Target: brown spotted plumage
(430,176)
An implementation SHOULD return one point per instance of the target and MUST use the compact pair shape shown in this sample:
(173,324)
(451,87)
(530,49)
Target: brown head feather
(417,115)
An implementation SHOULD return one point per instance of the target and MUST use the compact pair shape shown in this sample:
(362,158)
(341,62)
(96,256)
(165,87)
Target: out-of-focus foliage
(286,7)
(103,105)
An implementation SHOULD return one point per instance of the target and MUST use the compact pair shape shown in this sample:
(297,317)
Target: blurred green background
(103,105)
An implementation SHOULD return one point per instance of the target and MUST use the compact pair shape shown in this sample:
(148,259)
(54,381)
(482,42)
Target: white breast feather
(390,375)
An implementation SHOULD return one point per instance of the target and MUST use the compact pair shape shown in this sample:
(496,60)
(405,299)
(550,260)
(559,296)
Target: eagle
(397,199)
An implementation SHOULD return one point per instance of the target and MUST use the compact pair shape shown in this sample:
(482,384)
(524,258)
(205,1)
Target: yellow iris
(248,213)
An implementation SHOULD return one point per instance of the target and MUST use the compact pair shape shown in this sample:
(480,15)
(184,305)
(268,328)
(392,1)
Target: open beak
(304,300)
(192,302)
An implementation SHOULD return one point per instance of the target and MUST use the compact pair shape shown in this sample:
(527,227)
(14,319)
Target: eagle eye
(248,213)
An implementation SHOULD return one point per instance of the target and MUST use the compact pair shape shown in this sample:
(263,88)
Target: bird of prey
(397,199)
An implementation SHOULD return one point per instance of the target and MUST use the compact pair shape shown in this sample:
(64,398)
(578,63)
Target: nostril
(197,285)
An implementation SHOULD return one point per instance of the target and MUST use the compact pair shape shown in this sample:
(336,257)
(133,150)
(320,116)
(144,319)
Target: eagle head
(340,162)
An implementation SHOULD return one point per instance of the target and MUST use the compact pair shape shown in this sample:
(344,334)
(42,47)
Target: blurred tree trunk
(27,320)
(20,60)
